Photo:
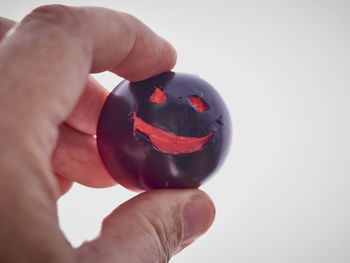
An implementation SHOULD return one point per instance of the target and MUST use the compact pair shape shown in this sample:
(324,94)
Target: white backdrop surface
(283,68)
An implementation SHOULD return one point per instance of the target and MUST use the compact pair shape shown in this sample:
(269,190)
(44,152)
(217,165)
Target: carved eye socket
(158,96)
(199,104)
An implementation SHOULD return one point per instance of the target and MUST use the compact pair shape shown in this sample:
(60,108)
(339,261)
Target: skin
(49,108)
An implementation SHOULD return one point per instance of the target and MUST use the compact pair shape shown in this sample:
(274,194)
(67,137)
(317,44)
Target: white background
(283,68)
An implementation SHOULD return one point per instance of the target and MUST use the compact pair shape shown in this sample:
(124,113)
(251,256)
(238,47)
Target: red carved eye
(158,96)
(199,104)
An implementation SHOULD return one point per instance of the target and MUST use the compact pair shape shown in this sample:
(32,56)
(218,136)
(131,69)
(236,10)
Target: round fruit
(170,131)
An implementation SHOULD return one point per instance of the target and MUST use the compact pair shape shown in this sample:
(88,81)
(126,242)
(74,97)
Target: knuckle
(58,16)
(166,235)
(62,27)
(53,13)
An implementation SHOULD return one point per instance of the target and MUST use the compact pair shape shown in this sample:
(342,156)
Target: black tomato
(170,131)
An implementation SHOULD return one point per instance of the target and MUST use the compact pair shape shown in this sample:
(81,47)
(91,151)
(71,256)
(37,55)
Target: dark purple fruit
(170,131)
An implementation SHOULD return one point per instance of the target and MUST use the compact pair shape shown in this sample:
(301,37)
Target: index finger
(46,60)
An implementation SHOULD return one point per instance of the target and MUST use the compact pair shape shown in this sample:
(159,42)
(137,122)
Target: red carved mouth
(168,142)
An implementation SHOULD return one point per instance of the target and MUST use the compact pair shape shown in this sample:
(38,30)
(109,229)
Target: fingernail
(199,213)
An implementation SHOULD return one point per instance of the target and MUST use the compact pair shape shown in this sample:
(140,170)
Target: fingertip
(199,213)
(148,58)
(171,55)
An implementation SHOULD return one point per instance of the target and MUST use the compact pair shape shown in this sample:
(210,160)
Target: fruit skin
(131,158)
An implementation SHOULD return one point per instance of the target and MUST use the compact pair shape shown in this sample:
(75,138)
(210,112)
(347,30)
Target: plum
(170,131)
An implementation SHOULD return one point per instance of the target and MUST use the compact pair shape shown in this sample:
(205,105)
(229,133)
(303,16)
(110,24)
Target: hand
(49,107)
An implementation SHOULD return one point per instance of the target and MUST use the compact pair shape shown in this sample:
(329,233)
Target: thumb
(151,227)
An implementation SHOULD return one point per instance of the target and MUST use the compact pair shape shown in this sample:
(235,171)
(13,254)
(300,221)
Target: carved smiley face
(166,141)
(172,130)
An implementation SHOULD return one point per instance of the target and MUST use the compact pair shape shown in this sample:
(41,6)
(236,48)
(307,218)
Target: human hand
(49,108)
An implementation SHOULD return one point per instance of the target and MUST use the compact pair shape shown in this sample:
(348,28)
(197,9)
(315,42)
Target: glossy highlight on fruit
(170,131)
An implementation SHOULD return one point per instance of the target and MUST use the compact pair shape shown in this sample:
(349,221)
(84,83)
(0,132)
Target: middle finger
(76,158)
(86,113)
